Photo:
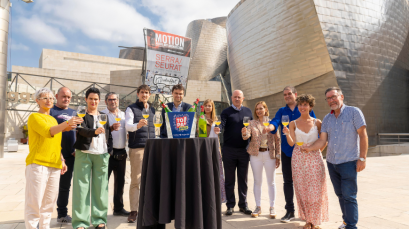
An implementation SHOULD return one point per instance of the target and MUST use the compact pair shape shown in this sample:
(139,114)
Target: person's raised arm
(276,121)
(64,125)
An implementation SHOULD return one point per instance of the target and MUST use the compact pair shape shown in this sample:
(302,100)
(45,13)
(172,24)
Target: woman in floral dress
(308,168)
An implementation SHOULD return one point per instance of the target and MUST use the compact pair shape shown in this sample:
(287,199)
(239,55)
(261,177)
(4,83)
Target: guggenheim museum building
(360,46)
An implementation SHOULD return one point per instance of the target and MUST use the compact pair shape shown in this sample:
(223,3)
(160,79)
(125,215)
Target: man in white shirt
(140,129)
(117,161)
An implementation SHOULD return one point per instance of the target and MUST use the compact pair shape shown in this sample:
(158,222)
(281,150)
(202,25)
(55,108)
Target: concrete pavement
(383,198)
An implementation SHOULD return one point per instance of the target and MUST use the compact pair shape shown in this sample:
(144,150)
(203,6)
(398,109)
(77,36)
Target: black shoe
(288,217)
(99,227)
(229,211)
(122,212)
(246,210)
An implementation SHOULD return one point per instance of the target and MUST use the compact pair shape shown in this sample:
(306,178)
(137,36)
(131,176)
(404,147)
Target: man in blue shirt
(345,130)
(291,110)
(61,112)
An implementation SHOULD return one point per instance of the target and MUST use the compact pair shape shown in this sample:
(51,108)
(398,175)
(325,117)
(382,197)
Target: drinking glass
(81,111)
(266,121)
(285,120)
(102,119)
(145,113)
(218,121)
(157,122)
(246,121)
(117,117)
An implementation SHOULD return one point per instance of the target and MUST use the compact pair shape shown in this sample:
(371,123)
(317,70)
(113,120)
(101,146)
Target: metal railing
(392,138)
(126,93)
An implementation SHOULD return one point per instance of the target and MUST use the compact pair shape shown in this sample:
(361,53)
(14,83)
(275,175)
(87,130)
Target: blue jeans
(344,179)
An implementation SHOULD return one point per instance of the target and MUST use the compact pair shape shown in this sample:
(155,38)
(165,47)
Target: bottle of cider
(193,108)
(202,124)
(165,107)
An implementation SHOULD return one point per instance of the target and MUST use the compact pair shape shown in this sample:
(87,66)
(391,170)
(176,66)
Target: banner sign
(181,124)
(167,60)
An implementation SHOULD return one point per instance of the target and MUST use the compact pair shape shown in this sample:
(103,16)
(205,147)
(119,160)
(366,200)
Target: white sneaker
(342,226)
(256,212)
(272,213)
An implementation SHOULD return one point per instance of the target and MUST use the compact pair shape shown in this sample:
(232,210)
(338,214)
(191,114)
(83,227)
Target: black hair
(93,90)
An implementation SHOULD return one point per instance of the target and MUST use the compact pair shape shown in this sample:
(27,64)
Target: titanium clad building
(360,46)
(209,48)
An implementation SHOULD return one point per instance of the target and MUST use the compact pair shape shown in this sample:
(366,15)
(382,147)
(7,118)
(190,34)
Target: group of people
(299,152)
(61,151)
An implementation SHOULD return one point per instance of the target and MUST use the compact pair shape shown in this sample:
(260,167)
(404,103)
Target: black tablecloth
(180,181)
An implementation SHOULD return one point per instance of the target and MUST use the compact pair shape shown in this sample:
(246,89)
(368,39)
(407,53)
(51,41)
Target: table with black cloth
(180,181)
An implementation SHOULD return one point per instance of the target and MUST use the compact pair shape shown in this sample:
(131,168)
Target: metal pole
(4,27)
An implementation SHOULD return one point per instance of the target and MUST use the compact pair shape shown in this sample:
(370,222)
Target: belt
(263,149)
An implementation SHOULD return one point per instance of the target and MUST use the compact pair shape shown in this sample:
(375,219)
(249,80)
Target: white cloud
(175,15)
(19,46)
(38,31)
(115,21)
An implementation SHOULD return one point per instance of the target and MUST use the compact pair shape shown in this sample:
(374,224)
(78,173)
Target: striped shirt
(343,138)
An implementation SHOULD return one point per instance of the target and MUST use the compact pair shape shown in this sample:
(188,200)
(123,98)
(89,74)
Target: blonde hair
(213,114)
(267,113)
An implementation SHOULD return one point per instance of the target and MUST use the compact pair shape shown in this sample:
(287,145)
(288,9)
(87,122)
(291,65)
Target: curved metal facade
(360,46)
(209,48)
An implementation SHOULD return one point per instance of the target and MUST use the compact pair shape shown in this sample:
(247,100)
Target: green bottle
(202,124)
(193,108)
(165,107)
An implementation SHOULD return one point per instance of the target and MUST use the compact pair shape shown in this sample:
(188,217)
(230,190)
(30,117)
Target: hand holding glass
(81,111)
(246,121)
(285,120)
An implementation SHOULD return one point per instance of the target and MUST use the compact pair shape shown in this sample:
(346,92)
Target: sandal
(308,226)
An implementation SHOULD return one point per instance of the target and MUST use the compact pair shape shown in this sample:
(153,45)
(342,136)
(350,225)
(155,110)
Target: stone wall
(70,61)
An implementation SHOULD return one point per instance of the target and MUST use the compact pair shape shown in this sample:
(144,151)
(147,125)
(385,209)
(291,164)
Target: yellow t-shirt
(44,149)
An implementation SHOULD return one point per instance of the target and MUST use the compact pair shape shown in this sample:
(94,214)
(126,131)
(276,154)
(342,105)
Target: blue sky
(98,26)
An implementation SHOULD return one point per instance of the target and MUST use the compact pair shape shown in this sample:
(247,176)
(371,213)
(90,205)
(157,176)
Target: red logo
(181,121)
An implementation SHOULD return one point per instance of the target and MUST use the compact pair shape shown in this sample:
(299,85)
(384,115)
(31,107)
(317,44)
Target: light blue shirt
(343,138)
(177,108)
(237,109)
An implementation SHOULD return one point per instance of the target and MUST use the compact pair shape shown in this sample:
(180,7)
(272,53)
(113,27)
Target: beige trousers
(42,185)
(136,158)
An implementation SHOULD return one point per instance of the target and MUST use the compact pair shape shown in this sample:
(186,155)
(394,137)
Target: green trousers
(90,178)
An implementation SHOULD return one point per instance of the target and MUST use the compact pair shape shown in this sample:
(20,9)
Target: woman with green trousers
(90,183)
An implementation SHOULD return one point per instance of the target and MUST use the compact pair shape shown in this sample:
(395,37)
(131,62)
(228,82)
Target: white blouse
(98,144)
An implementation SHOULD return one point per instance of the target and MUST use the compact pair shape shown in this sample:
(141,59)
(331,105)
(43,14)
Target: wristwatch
(362,159)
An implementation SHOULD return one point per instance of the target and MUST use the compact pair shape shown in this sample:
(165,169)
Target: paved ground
(383,198)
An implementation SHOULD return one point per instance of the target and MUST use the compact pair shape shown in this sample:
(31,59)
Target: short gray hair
(334,89)
(290,88)
(109,94)
(41,91)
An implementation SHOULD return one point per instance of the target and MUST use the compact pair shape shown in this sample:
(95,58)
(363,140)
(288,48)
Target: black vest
(137,139)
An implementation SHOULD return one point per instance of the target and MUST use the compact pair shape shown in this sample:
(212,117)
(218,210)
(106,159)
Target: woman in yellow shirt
(44,162)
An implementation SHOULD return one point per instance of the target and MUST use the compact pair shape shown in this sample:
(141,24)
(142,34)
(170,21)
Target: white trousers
(257,163)
(42,185)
